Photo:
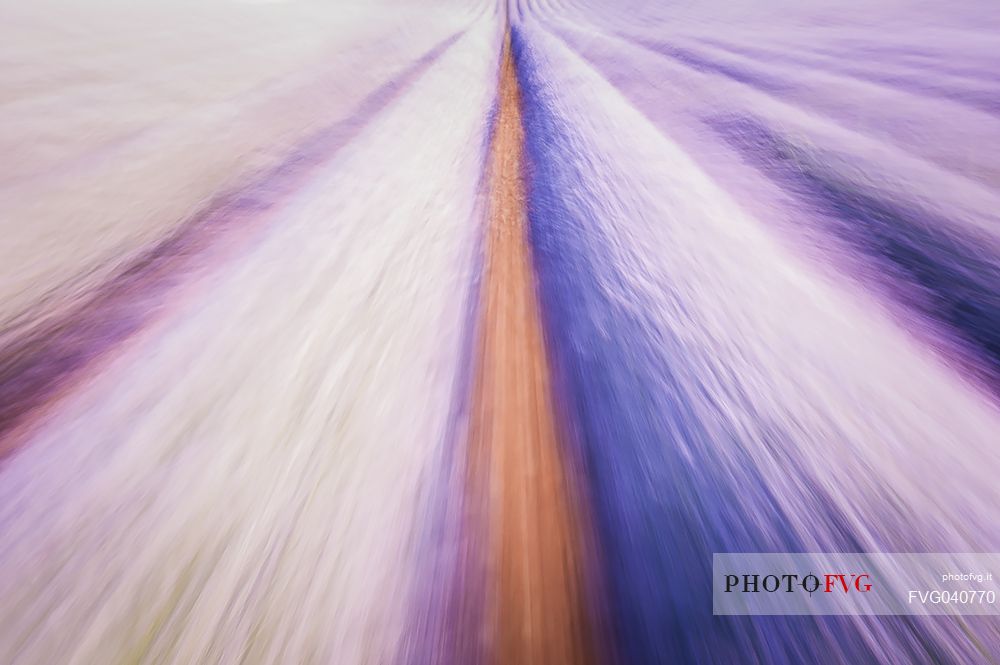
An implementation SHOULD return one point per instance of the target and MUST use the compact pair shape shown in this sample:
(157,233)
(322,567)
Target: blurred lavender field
(356,332)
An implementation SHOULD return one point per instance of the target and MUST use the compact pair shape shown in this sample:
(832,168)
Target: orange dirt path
(535,596)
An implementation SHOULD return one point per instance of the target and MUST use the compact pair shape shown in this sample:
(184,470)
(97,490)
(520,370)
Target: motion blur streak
(466,333)
(243,481)
(33,366)
(517,481)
